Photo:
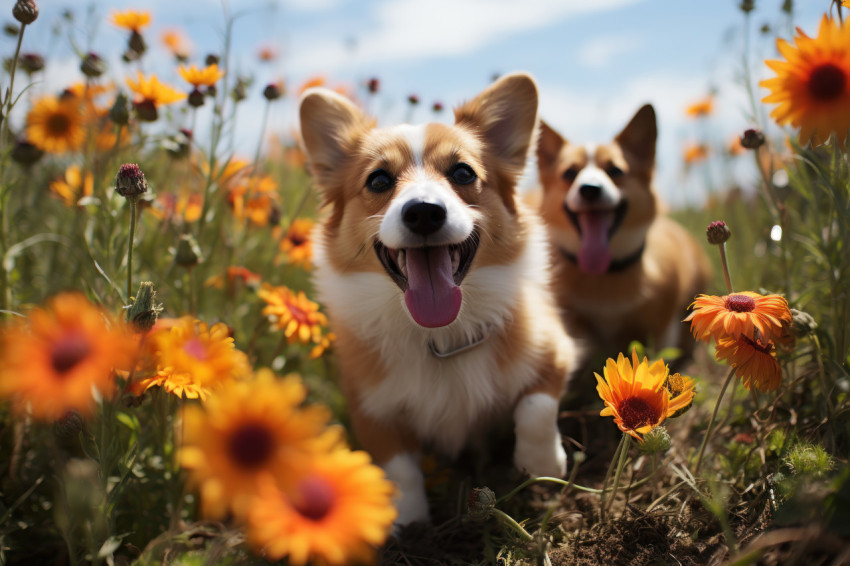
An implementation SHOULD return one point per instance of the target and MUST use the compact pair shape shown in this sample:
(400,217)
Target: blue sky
(595,61)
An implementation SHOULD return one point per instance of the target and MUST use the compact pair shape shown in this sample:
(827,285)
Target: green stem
(723,262)
(9,102)
(708,430)
(614,458)
(511,522)
(624,454)
(132,201)
(530,481)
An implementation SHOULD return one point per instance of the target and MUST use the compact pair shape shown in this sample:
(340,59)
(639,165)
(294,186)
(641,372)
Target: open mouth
(430,277)
(595,228)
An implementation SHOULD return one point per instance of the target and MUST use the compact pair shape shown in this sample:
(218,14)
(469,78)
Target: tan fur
(642,301)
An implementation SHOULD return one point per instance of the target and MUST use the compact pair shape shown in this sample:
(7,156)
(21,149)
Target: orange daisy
(254,199)
(754,361)
(196,77)
(297,244)
(231,276)
(151,94)
(131,20)
(337,511)
(191,358)
(701,108)
(694,153)
(812,84)
(73,187)
(245,430)
(635,394)
(176,42)
(296,315)
(56,125)
(178,209)
(54,358)
(739,313)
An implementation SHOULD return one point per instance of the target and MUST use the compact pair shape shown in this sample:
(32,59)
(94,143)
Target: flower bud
(31,62)
(196,98)
(11,29)
(212,59)
(143,313)
(130,181)
(68,426)
(26,153)
(120,112)
(413,99)
(481,503)
(437,107)
(137,43)
(272,91)
(752,138)
(802,323)
(655,441)
(374,85)
(238,93)
(747,6)
(93,65)
(188,252)
(146,110)
(25,11)
(717,232)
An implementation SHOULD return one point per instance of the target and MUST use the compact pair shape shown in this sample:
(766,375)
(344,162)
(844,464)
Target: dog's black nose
(423,218)
(590,192)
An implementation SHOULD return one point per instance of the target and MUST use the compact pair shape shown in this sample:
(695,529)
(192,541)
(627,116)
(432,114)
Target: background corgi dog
(623,271)
(436,280)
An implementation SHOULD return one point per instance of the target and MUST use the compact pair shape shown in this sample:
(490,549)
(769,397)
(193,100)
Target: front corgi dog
(623,271)
(436,282)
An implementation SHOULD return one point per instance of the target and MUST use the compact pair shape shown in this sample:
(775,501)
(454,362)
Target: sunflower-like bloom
(739,313)
(297,245)
(56,125)
(296,315)
(336,511)
(754,361)
(812,84)
(185,208)
(248,429)
(131,19)
(701,108)
(151,94)
(54,358)
(635,394)
(196,77)
(74,186)
(191,358)
(254,198)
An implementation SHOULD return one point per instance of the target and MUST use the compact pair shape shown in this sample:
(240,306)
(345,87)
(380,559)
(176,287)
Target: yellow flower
(56,125)
(701,108)
(150,94)
(694,153)
(296,315)
(754,361)
(245,430)
(254,199)
(54,358)
(297,244)
(131,20)
(178,209)
(337,511)
(207,76)
(635,394)
(744,313)
(812,84)
(73,187)
(191,358)
(176,43)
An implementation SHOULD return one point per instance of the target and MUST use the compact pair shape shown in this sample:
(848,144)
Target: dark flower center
(740,303)
(758,346)
(68,352)
(314,498)
(827,82)
(636,412)
(58,124)
(297,240)
(250,446)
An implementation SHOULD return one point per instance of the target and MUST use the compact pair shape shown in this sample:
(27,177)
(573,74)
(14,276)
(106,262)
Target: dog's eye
(613,171)
(379,181)
(570,174)
(462,174)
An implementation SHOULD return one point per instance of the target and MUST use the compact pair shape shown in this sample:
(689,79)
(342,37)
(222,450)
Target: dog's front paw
(539,451)
(411,503)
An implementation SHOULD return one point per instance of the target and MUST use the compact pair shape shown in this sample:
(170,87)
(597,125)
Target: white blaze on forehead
(415,138)
(591,174)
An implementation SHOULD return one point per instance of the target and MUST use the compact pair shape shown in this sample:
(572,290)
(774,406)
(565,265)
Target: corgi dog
(436,282)
(623,270)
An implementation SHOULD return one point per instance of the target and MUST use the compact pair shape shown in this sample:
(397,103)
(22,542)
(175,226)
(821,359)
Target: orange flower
(131,20)
(734,149)
(336,512)
(267,53)
(56,125)
(191,358)
(297,316)
(255,199)
(754,361)
(739,313)
(694,153)
(635,394)
(701,108)
(297,244)
(812,84)
(150,94)
(246,430)
(231,276)
(176,42)
(54,358)
(207,76)
(73,187)
(318,80)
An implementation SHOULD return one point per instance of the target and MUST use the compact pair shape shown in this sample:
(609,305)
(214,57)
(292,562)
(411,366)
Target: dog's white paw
(539,451)
(411,503)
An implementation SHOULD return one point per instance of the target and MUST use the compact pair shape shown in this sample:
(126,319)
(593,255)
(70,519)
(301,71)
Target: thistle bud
(374,85)
(68,426)
(273,91)
(130,181)
(196,98)
(188,252)
(480,504)
(25,11)
(802,323)
(747,6)
(26,153)
(212,59)
(437,107)
(93,65)
(655,441)
(413,99)
(143,313)
(238,92)
(146,110)
(752,138)
(717,232)
(31,62)
(120,112)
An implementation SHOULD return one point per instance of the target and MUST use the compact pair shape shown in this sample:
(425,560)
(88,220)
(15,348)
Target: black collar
(616,265)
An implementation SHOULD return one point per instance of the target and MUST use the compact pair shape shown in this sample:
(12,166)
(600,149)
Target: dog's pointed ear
(504,115)
(331,125)
(639,136)
(549,145)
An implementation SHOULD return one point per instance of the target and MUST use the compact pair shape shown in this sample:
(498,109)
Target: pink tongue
(594,256)
(432,297)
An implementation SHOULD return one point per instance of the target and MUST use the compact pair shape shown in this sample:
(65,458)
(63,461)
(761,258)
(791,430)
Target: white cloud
(601,51)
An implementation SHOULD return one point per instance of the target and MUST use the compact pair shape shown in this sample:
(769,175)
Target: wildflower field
(168,383)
